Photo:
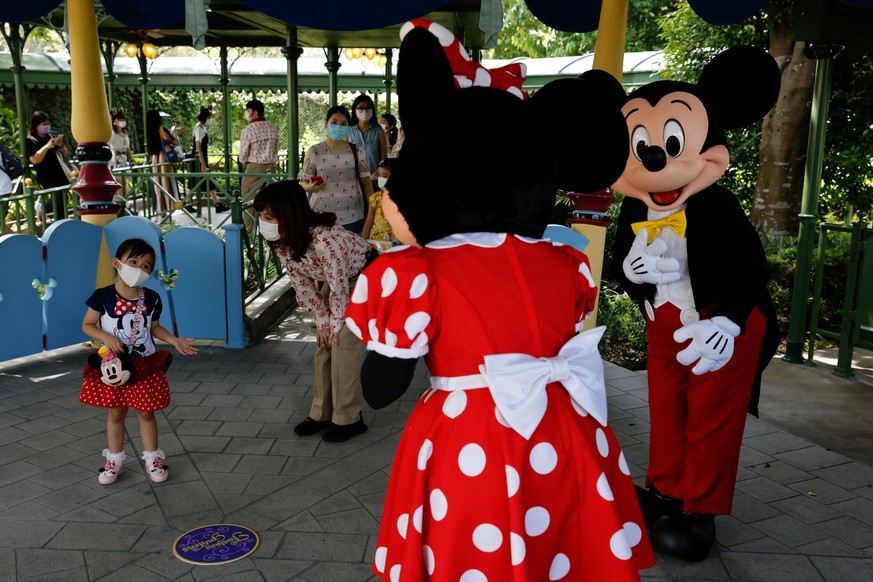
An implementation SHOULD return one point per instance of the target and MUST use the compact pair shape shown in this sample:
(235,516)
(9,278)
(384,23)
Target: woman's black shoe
(311,426)
(343,432)
(655,505)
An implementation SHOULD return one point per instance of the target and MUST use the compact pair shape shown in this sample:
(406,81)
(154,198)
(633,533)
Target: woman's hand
(324,338)
(309,186)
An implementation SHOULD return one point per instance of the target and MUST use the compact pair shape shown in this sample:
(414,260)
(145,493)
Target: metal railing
(170,197)
(853,331)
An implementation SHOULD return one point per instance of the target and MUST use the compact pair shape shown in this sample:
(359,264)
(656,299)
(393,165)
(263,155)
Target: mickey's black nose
(654,159)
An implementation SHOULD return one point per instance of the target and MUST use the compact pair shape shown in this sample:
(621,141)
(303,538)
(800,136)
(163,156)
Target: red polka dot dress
(470,499)
(148,389)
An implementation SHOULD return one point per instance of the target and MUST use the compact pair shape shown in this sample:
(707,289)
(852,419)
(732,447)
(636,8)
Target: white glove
(712,343)
(643,264)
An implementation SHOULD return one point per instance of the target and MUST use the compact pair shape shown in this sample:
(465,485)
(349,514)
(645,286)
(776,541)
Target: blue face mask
(337,132)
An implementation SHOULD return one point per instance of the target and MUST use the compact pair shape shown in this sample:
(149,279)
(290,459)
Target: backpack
(11,164)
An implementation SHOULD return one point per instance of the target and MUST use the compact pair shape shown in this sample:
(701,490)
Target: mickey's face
(666,165)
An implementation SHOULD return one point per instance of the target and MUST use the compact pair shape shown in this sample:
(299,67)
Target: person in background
(200,153)
(156,134)
(338,181)
(42,151)
(314,248)
(395,149)
(366,133)
(258,148)
(119,143)
(377,231)
(389,126)
(5,190)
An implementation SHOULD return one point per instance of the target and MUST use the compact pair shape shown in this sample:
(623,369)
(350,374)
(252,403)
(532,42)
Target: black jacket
(726,262)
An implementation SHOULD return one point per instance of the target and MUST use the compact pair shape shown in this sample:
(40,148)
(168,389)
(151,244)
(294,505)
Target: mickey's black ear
(740,85)
(424,78)
(586,129)
(94,361)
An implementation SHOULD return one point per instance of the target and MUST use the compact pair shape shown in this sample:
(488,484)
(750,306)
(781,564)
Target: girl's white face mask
(381,181)
(269,230)
(132,276)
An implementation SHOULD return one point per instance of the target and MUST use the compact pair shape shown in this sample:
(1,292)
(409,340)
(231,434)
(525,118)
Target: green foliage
(524,35)
(624,342)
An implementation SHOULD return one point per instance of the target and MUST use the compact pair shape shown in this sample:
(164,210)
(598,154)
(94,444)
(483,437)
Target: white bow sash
(518,381)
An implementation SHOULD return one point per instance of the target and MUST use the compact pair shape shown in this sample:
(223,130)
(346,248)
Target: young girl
(376,229)
(125,316)
(119,142)
(312,247)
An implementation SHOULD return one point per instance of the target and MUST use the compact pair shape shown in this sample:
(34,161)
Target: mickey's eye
(674,138)
(639,141)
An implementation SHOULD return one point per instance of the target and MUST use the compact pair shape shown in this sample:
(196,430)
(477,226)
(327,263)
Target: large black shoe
(656,505)
(688,536)
(311,426)
(340,433)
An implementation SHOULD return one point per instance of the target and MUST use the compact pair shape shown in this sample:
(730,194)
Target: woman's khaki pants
(338,395)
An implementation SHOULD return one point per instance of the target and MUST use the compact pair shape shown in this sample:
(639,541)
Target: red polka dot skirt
(470,500)
(148,391)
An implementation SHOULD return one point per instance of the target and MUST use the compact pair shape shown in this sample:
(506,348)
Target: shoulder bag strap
(358,177)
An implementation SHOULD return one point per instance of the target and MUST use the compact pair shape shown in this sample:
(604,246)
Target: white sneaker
(113,467)
(154,466)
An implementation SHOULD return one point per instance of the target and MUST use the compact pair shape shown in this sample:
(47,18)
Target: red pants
(697,421)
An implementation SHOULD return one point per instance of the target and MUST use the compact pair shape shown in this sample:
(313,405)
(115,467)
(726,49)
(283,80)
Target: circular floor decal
(210,545)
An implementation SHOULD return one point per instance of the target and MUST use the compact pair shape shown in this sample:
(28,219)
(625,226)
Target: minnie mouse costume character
(686,252)
(506,469)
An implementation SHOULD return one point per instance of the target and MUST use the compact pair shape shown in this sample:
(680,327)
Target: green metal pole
(292,52)
(144,90)
(15,40)
(389,80)
(228,112)
(809,208)
(332,65)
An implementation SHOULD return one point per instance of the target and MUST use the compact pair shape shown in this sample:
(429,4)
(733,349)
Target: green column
(228,112)
(109,49)
(389,80)
(144,94)
(15,37)
(292,52)
(332,65)
(809,204)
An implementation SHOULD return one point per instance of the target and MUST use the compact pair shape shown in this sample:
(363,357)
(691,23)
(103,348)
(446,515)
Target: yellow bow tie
(676,221)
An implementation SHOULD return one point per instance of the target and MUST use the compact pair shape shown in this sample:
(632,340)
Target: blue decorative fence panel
(207,293)
(199,296)
(127,227)
(20,306)
(72,249)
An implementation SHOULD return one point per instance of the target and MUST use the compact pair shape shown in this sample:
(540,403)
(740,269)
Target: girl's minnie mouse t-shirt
(118,314)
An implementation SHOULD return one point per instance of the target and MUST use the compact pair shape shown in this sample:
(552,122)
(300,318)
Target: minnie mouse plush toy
(686,252)
(507,468)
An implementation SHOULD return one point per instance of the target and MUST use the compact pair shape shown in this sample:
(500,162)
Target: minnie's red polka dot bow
(467,72)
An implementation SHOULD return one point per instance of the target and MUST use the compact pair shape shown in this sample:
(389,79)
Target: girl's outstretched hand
(183,346)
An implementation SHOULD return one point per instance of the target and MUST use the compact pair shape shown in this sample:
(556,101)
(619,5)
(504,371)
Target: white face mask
(381,181)
(364,114)
(122,124)
(384,126)
(208,121)
(269,230)
(248,115)
(132,276)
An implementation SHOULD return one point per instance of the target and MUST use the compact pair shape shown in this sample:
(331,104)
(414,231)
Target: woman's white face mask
(269,230)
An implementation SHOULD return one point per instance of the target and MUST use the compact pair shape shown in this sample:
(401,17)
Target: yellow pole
(91,127)
(609,57)
(611,35)
(90,122)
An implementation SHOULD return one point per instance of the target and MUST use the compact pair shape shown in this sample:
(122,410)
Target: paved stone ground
(801,512)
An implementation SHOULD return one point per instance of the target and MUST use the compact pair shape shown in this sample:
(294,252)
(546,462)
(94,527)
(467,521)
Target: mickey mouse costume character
(506,469)
(686,252)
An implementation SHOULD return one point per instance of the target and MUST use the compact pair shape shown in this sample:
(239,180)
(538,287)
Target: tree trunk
(785,131)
